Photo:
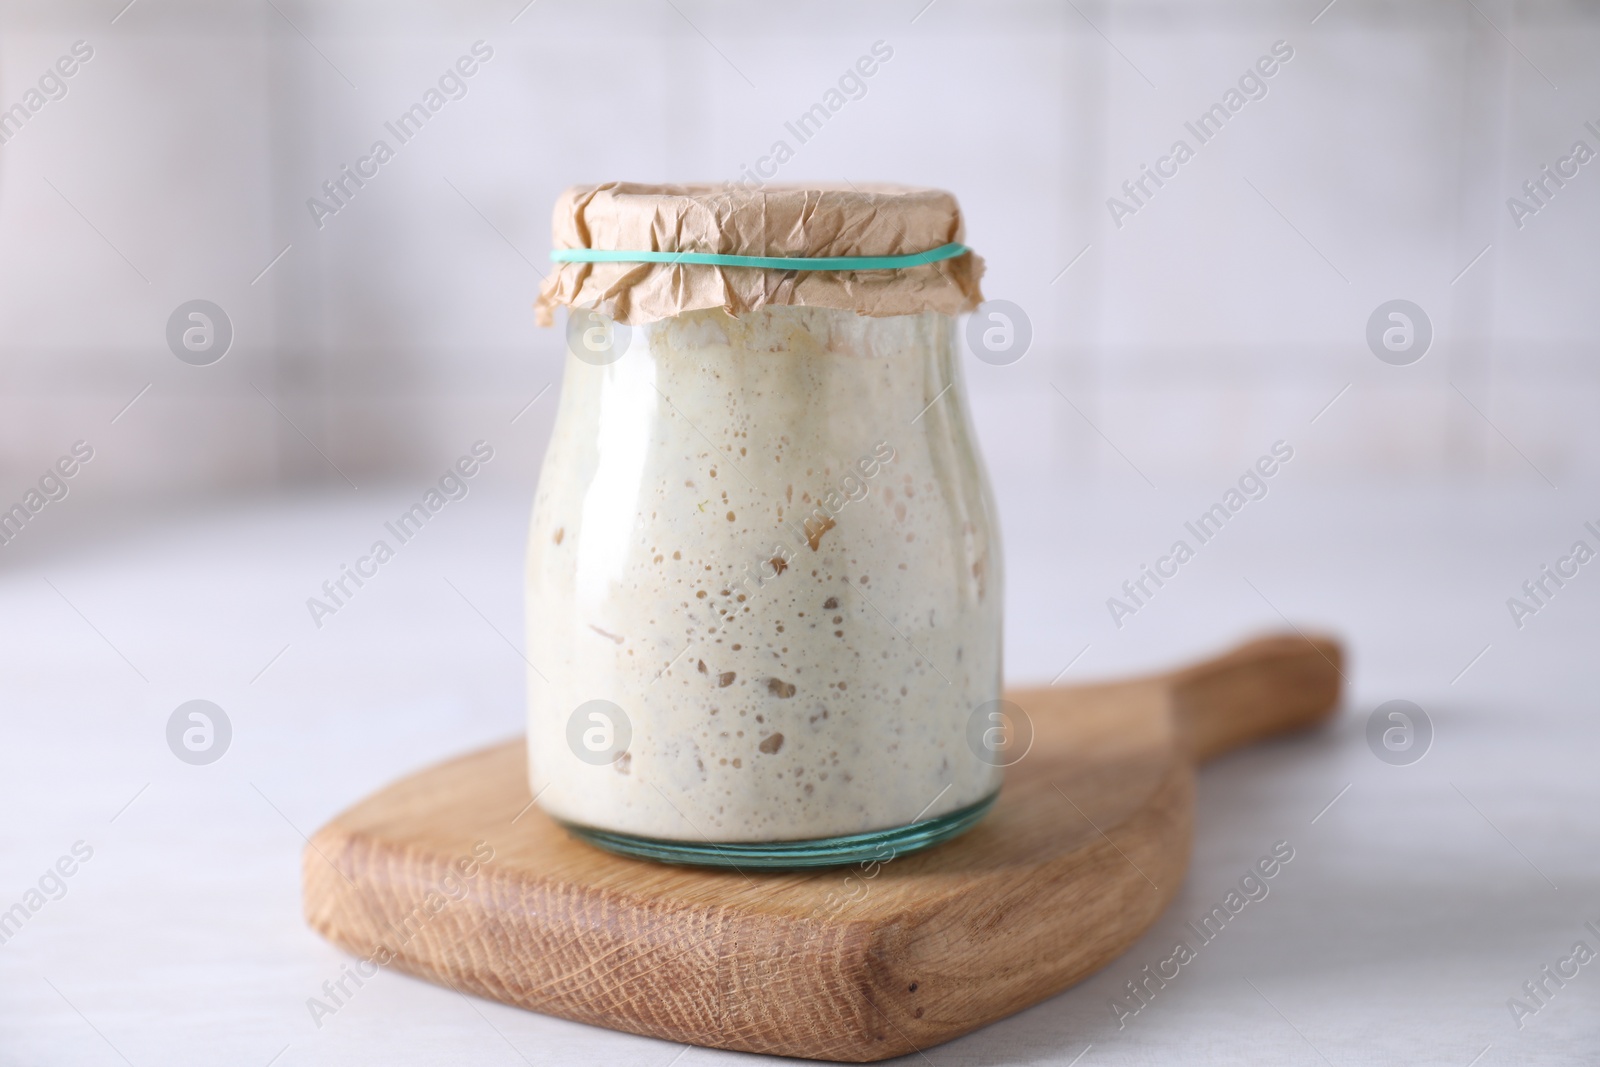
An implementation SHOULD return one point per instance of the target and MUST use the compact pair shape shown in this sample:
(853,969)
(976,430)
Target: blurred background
(1174,339)
(179,164)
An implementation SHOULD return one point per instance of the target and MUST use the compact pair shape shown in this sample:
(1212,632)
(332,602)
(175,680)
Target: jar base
(875,845)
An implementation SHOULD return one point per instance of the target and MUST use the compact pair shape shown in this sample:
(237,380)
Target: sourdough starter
(769,542)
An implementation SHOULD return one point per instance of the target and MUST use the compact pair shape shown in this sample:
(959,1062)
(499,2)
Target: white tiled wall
(1223,315)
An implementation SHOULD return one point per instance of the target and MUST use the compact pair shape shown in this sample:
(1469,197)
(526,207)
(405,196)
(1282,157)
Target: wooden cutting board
(452,874)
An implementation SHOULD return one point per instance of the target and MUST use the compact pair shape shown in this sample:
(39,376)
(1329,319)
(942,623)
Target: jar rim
(770,222)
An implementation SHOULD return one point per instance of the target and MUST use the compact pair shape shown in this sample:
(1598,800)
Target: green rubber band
(717,259)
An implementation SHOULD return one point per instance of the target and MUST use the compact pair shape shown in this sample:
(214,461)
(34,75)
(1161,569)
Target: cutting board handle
(1271,685)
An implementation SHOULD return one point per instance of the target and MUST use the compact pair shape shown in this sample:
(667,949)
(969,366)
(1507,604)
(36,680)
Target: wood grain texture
(1087,844)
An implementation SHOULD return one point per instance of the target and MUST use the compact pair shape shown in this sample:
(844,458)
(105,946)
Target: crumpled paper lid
(776,220)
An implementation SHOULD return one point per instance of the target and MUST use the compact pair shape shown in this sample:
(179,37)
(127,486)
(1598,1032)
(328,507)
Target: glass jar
(764,590)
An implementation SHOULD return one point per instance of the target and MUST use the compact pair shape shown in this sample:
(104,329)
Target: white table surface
(1414,907)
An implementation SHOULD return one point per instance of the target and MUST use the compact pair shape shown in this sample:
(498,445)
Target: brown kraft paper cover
(793,220)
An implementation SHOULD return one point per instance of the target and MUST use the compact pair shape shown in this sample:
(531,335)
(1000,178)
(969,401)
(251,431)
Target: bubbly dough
(769,541)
